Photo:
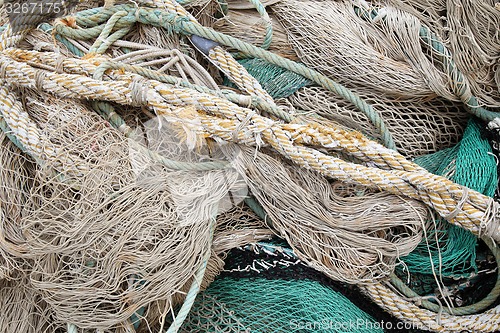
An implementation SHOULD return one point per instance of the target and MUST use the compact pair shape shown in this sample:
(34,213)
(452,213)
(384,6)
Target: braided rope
(106,38)
(238,74)
(9,38)
(28,135)
(406,311)
(467,208)
(174,16)
(487,321)
(352,143)
(217,117)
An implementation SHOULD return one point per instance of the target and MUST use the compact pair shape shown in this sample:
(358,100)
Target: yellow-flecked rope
(238,74)
(313,134)
(218,118)
(8,38)
(408,311)
(30,136)
(173,16)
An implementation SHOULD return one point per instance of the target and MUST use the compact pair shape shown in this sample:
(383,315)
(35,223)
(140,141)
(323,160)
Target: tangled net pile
(163,163)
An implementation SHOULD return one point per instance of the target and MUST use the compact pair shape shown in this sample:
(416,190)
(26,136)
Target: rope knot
(459,205)
(489,225)
(139,89)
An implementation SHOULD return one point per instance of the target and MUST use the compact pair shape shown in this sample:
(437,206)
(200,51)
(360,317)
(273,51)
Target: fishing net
(385,59)
(266,290)
(94,232)
(468,28)
(291,306)
(381,53)
(471,163)
(249,274)
(23,309)
(237,227)
(357,54)
(332,237)
(419,129)
(125,160)
(248,25)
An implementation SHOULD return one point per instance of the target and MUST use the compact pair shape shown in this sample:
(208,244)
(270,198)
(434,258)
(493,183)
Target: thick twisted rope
(108,113)
(238,74)
(9,38)
(106,37)
(466,208)
(242,100)
(405,310)
(487,321)
(175,17)
(222,119)
(352,143)
(29,136)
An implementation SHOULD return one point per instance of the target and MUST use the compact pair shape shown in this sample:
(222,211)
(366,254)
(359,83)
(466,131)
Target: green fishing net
(263,305)
(453,249)
(277,81)
(261,291)
(280,303)
(469,163)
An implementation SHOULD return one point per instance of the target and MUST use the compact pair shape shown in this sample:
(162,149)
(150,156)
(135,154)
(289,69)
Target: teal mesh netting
(263,305)
(472,164)
(277,81)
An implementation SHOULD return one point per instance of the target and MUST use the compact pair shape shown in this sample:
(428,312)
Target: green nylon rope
(477,307)
(4,127)
(471,164)
(277,81)
(106,37)
(268,37)
(72,48)
(195,285)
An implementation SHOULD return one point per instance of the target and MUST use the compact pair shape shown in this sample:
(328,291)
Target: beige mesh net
(331,235)
(469,28)
(249,26)
(418,129)
(23,309)
(87,232)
